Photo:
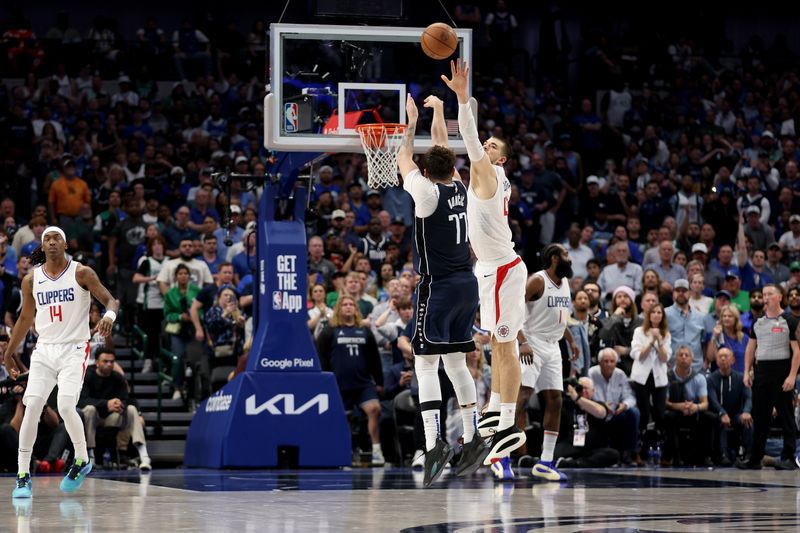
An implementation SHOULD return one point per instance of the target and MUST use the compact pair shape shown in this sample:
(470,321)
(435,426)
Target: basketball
(439,41)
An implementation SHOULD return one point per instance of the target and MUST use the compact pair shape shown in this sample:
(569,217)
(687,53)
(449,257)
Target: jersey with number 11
(62,306)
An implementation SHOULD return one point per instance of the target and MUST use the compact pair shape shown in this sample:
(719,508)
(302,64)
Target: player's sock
(91,455)
(507,412)
(494,402)
(430,421)
(469,416)
(549,445)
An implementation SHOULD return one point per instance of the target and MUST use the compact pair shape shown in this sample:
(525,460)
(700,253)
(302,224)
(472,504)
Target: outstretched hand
(459,80)
(412,113)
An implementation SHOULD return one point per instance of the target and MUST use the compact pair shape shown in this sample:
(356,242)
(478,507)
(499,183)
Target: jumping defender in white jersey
(547,298)
(500,271)
(57,294)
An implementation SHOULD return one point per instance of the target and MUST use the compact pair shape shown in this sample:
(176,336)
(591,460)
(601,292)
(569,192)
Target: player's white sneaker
(504,442)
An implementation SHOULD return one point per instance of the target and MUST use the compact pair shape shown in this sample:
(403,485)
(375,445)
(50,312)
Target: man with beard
(199,272)
(547,308)
(793,297)
(686,327)
(756,309)
(595,309)
(580,312)
(776,270)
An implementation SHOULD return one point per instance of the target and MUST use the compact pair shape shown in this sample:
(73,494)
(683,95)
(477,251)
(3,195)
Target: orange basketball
(439,41)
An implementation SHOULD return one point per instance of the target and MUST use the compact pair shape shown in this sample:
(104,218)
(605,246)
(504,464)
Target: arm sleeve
(469,132)
(423,191)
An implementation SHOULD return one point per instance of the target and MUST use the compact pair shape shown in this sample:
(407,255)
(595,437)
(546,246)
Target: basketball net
(381,143)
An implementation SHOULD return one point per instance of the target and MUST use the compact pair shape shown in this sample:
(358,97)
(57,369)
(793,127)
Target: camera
(575,385)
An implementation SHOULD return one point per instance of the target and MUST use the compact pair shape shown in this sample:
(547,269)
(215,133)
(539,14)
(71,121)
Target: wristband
(110,314)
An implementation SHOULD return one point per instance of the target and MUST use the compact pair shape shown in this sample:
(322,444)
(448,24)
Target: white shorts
(545,372)
(57,364)
(502,293)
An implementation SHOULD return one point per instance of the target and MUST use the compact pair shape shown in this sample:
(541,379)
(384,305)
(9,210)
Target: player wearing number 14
(57,295)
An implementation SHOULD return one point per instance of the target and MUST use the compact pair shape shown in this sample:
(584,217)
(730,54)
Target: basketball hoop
(381,143)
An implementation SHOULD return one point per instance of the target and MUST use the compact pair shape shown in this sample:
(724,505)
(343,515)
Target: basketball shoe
(548,471)
(472,455)
(504,442)
(24,486)
(436,460)
(75,476)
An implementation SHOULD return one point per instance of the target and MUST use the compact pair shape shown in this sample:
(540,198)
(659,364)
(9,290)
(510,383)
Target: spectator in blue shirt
(687,407)
(686,327)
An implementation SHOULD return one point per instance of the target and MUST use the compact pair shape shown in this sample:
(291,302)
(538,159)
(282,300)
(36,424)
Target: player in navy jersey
(349,351)
(447,294)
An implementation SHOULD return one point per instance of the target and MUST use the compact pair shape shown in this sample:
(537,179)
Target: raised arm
(405,156)
(483,178)
(438,127)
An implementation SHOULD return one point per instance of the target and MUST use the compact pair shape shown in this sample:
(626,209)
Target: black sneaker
(741,464)
(504,442)
(472,455)
(436,460)
(487,423)
(785,464)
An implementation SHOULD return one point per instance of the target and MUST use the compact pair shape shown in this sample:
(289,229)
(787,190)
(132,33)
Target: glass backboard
(325,80)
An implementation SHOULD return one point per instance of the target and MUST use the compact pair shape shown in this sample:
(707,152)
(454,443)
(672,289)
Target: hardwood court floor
(391,499)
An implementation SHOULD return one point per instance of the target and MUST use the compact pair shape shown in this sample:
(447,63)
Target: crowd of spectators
(675,192)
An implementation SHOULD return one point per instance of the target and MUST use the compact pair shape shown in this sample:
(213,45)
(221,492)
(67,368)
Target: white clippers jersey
(489,233)
(546,317)
(62,307)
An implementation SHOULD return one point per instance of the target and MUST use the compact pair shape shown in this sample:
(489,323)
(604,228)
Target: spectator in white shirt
(622,272)
(612,389)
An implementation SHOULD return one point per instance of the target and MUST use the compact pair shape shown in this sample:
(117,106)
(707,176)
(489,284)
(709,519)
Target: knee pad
(455,364)
(427,369)
(426,365)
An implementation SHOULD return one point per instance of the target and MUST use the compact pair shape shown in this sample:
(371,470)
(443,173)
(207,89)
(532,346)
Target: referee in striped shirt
(773,355)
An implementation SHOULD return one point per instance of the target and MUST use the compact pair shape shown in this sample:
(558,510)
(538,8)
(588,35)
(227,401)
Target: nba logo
(276,299)
(290,117)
